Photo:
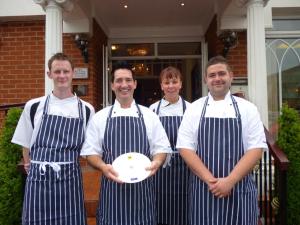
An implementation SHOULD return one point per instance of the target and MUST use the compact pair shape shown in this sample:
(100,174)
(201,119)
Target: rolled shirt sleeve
(95,133)
(188,129)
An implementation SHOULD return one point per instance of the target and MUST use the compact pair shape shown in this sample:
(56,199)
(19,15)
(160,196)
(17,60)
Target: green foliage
(11,183)
(289,141)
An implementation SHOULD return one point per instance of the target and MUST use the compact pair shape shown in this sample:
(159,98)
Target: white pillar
(257,72)
(53,34)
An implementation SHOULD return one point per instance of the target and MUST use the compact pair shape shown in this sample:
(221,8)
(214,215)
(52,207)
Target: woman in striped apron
(118,129)
(53,191)
(221,139)
(171,182)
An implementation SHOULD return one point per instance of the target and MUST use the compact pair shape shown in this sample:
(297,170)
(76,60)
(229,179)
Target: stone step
(91,221)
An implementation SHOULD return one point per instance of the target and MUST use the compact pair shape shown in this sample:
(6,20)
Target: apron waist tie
(55,166)
(168,159)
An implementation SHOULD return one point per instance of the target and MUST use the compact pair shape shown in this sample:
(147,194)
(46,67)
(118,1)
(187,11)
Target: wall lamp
(229,39)
(82,44)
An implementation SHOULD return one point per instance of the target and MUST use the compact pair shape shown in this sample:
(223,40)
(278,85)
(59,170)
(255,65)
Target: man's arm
(197,166)
(107,169)
(223,186)
(26,159)
(157,161)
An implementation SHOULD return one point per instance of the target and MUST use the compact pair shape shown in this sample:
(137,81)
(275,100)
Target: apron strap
(204,108)
(46,105)
(183,105)
(158,107)
(110,113)
(80,108)
(236,108)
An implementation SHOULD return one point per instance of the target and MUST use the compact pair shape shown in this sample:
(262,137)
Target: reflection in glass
(140,49)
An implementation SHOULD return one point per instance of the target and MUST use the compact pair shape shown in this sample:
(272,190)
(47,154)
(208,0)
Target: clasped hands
(220,187)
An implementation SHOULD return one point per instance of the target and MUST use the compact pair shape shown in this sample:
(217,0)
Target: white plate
(131,167)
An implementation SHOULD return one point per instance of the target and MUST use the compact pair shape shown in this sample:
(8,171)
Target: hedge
(11,181)
(289,141)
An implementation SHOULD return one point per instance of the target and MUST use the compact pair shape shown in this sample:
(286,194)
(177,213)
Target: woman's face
(171,87)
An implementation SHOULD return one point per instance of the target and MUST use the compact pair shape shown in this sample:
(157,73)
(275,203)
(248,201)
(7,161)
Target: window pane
(291,80)
(184,48)
(286,25)
(283,67)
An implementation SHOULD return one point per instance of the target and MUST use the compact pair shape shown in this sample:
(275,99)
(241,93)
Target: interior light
(113,47)
(182,3)
(125,6)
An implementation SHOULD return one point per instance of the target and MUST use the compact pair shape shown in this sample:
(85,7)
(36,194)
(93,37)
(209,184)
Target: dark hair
(217,60)
(59,56)
(169,73)
(120,65)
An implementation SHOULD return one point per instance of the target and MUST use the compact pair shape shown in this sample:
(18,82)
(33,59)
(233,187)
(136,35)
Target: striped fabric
(220,147)
(171,183)
(49,198)
(125,204)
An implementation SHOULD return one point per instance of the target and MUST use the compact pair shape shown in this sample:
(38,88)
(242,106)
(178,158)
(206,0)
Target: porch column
(54,29)
(256,57)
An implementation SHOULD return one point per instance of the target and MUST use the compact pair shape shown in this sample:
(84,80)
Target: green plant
(289,141)
(11,183)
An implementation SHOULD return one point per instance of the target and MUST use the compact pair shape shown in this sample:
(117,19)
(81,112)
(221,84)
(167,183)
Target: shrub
(289,141)
(11,181)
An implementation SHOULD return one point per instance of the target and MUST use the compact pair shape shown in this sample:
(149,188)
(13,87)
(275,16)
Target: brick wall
(22,47)
(22,53)
(237,57)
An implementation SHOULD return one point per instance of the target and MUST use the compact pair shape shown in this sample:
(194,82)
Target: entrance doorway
(147,74)
(147,60)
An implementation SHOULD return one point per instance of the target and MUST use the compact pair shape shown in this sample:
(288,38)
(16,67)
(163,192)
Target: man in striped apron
(118,129)
(221,138)
(53,192)
(171,182)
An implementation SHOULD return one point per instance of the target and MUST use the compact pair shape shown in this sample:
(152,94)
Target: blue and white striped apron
(220,146)
(125,204)
(53,191)
(171,183)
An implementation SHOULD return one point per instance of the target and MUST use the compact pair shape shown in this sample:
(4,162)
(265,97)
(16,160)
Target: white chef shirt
(252,127)
(157,137)
(25,134)
(169,109)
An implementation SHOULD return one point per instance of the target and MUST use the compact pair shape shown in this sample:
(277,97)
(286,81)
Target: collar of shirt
(222,108)
(165,103)
(119,111)
(56,100)
(227,98)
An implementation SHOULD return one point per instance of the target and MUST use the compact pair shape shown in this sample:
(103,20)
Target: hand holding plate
(110,173)
(155,164)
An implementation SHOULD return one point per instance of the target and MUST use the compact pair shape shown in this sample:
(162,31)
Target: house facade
(260,38)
